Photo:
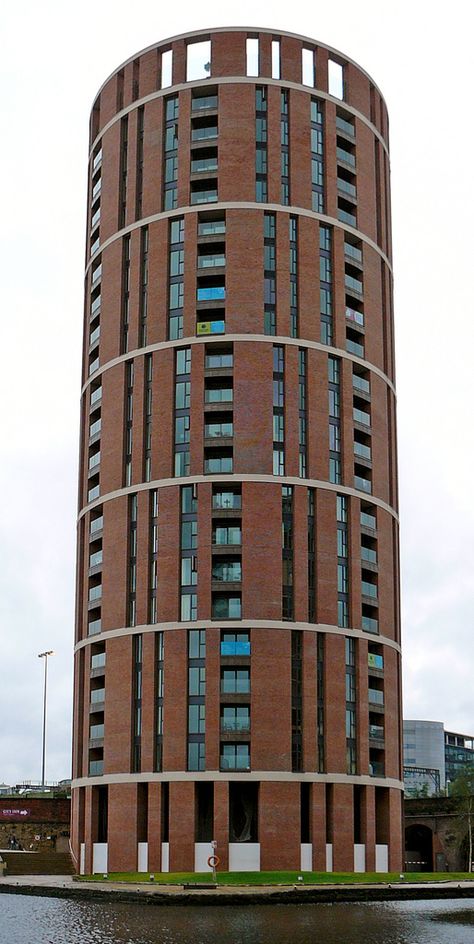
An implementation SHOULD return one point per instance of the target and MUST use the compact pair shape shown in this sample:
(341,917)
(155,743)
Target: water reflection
(31,920)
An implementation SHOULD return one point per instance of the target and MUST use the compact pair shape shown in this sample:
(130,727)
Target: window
(235,644)
(166,68)
(335,79)
(252,57)
(198,61)
(275,59)
(235,718)
(226,606)
(235,757)
(235,681)
(307,67)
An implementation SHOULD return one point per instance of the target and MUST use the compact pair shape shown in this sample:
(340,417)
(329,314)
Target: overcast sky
(54,58)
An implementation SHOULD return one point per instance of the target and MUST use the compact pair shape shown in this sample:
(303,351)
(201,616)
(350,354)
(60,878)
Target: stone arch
(418,848)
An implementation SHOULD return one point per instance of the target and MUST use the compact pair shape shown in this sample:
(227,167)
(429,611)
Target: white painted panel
(142,857)
(244,857)
(306,857)
(359,857)
(202,851)
(165,856)
(381,858)
(82,859)
(99,857)
(329,857)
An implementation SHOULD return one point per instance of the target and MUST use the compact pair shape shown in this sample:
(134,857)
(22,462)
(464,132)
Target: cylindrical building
(237,673)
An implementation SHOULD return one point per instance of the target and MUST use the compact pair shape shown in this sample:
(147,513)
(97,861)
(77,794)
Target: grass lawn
(279,878)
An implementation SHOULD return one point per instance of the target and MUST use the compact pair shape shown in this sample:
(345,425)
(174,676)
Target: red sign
(9,813)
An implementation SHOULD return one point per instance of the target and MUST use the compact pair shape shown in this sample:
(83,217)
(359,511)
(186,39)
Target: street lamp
(44,655)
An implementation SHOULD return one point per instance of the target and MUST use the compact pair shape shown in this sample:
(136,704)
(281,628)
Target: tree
(463,789)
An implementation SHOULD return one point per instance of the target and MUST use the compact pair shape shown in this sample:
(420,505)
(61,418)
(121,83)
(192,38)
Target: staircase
(38,863)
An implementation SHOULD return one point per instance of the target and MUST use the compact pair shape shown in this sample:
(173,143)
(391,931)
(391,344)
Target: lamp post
(44,655)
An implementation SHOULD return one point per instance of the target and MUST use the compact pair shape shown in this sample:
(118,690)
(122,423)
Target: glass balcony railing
(353,252)
(210,327)
(94,627)
(368,521)
(223,536)
(377,769)
(95,245)
(345,187)
(360,383)
(96,768)
(94,335)
(204,196)
(97,696)
(227,573)
(95,305)
(346,156)
(360,416)
(97,161)
(368,554)
(236,726)
(235,763)
(210,262)
(205,133)
(345,126)
(364,485)
(369,589)
(376,732)
(204,102)
(235,648)
(96,559)
(94,460)
(94,365)
(96,190)
(356,316)
(362,450)
(219,395)
(227,608)
(215,361)
(235,686)
(370,625)
(95,593)
(95,428)
(219,465)
(353,347)
(211,228)
(96,731)
(96,395)
(96,218)
(375,697)
(93,493)
(96,274)
(353,284)
(375,661)
(204,165)
(98,660)
(226,501)
(96,524)
(217,430)
(345,217)
(211,294)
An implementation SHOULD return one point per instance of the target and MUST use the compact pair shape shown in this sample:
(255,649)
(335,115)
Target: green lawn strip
(278,878)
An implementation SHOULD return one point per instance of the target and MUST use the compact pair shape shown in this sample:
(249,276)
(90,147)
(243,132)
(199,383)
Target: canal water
(32,920)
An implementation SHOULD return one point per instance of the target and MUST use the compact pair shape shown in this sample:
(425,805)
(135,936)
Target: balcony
(344,186)
(225,606)
(236,726)
(227,572)
(95,593)
(345,156)
(345,126)
(218,361)
(218,395)
(376,732)
(235,682)
(94,336)
(362,451)
(218,430)
(360,383)
(354,347)
(238,648)
(94,428)
(368,521)
(97,696)
(98,660)
(211,228)
(204,196)
(93,366)
(227,501)
(377,768)
(376,697)
(237,761)
(219,465)
(96,559)
(375,661)
(204,103)
(94,460)
(352,252)
(227,536)
(96,731)
(356,316)
(213,293)
(353,284)
(369,589)
(96,524)
(204,165)
(96,768)
(361,417)
(211,261)
(96,395)
(368,554)
(210,327)
(345,217)
(362,484)
(370,625)
(204,133)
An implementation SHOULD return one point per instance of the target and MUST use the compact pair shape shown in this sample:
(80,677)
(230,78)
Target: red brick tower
(238,629)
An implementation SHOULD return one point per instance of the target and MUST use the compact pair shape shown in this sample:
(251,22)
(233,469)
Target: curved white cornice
(269,776)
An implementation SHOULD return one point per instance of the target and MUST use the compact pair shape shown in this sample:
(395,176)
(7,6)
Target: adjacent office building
(237,651)
(433,757)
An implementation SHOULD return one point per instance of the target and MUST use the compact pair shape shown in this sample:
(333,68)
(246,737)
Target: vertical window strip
(320,700)
(143,285)
(188,548)
(278,410)
(287,552)
(176,279)
(325,284)
(302,416)
(296,700)
(261,153)
(148,415)
(342,561)
(139,167)
(334,397)
(125,293)
(132,559)
(129,371)
(285,149)
(170,175)
(153,551)
(182,420)
(196,699)
(311,556)
(351,719)
(123,172)
(137,702)
(293,233)
(269,266)
(159,689)
(317,156)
